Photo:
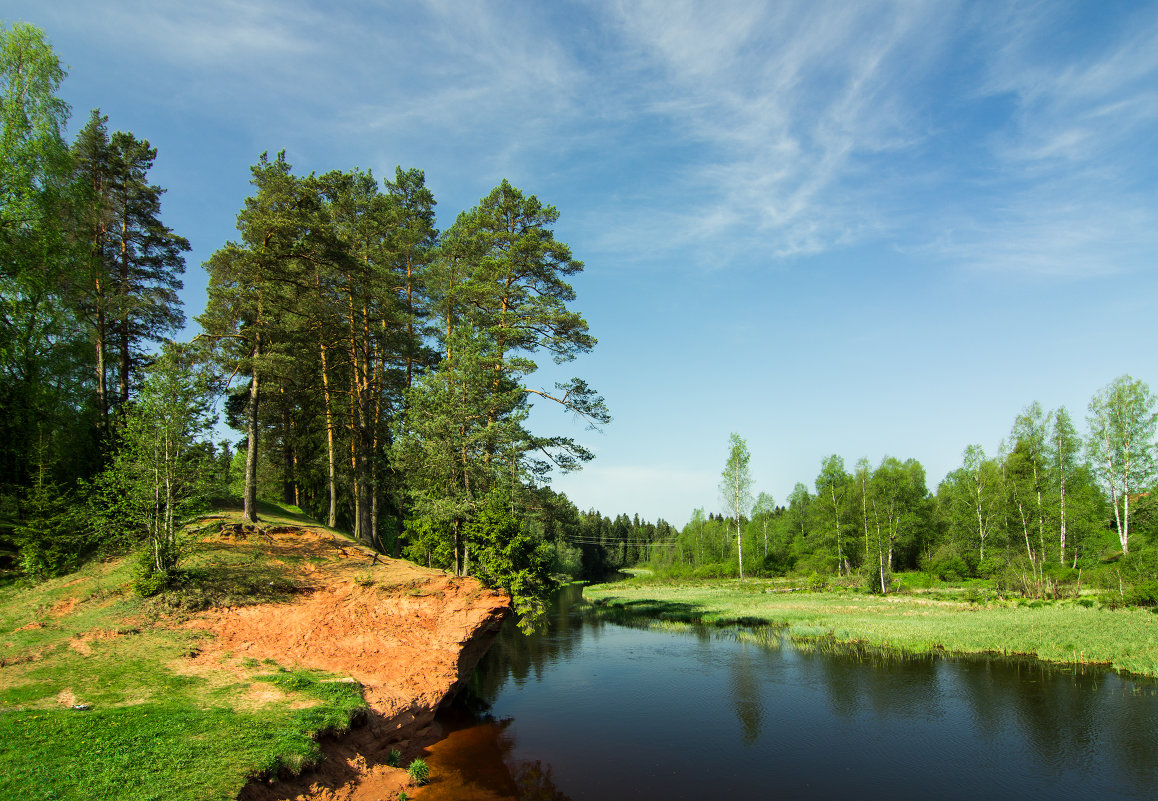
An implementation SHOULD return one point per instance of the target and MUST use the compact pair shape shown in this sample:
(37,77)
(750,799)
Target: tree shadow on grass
(676,611)
(232,578)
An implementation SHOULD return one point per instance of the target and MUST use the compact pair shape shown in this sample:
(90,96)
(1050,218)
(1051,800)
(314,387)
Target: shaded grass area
(1068,632)
(154,728)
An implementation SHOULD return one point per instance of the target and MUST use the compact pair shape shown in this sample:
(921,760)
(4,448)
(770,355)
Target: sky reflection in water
(596,710)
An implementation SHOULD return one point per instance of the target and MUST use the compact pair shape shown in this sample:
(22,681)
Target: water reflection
(474,762)
(595,709)
(747,702)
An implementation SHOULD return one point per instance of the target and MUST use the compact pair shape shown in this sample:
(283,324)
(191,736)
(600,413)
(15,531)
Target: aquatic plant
(419,772)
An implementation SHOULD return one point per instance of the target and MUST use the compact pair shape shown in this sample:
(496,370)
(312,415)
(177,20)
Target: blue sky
(832,227)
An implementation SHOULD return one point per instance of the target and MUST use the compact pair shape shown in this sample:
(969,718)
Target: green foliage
(947,564)
(52,536)
(419,772)
(509,554)
(394,758)
(428,542)
(160,475)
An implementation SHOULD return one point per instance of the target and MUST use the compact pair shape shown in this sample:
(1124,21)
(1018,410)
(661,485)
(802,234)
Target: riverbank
(1066,632)
(291,654)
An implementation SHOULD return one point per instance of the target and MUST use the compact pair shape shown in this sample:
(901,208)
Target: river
(593,710)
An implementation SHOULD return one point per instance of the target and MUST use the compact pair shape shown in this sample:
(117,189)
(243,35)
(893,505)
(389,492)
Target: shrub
(394,758)
(419,772)
(947,564)
(1143,594)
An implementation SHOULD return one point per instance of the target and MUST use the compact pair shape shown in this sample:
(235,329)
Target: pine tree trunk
(288,492)
(123,292)
(250,505)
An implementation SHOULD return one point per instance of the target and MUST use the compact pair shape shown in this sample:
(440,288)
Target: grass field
(96,700)
(1071,631)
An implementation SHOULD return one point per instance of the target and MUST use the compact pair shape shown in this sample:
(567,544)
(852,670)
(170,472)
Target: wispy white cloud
(707,134)
(781,103)
(1068,188)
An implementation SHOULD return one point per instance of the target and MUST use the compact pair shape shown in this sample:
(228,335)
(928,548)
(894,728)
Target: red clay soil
(408,635)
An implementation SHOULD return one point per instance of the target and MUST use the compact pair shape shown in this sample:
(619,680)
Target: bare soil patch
(407,634)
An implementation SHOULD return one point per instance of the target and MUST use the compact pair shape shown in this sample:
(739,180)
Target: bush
(53,537)
(419,772)
(947,564)
(1143,594)
(916,580)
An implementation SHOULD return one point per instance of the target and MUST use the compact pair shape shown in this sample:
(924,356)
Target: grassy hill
(102,696)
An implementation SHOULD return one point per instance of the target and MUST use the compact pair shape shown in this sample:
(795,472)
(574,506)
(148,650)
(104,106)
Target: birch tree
(1121,445)
(159,464)
(1029,438)
(763,510)
(736,489)
(832,484)
(1063,449)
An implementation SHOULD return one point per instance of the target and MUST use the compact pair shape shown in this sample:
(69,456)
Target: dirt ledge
(410,636)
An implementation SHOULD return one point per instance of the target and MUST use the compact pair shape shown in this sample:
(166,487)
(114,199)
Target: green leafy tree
(512,555)
(252,284)
(982,479)
(1063,452)
(833,484)
(162,469)
(762,512)
(1121,446)
(43,363)
(799,507)
(736,489)
(1029,438)
(899,501)
(162,466)
(33,155)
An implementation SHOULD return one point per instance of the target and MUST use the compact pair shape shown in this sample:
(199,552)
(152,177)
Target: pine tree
(132,261)
(253,289)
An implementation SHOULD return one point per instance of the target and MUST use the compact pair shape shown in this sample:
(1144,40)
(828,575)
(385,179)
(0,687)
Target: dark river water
(595,710)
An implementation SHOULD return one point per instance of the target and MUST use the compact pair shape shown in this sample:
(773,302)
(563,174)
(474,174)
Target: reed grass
(1066,632)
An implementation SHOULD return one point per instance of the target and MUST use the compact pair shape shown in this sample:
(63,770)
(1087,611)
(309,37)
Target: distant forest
(1051,504)
(377,372)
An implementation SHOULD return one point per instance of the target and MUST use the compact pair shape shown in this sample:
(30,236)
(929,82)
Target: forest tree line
(376,368)
(1051,503)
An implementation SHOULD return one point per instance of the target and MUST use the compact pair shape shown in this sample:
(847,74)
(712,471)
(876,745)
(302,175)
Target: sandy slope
(408,635)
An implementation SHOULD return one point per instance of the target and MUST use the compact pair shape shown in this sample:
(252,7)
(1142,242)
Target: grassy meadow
(96,700)
(1073,631)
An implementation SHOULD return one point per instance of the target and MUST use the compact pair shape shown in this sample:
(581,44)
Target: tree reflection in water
(474,763)
(617,709)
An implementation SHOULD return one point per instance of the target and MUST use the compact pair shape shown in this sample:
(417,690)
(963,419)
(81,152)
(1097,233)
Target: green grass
(1064,631)
(153,730)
